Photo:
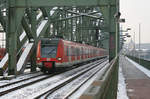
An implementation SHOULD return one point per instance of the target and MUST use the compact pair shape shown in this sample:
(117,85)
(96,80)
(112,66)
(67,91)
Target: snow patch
(22,36)
(83,88)
(40,28)
(122,92)
(140,67)
(53,11)
(39,15)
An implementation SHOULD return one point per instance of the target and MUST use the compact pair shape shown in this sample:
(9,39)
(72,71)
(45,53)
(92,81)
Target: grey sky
(135,12)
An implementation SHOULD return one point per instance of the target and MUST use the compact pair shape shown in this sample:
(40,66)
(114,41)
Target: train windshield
(49,48)
(48,51)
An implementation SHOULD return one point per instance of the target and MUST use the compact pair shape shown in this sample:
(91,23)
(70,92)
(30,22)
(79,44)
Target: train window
(67,51)
(81,51)
(48,51)
(86,51)
(78,51)
(73,51)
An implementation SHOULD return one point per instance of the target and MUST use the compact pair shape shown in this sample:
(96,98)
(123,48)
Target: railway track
(14,85)
(25,77)
(66,89)
(33,87)
(5,83)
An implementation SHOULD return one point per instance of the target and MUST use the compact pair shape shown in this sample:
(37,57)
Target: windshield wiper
(51,51)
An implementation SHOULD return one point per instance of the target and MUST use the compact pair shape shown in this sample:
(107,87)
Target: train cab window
(49,47)
(48,51)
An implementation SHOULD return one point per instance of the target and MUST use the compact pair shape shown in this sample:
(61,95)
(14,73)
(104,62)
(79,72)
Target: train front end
(47,54)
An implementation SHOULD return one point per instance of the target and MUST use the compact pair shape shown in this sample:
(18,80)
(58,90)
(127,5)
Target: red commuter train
(54,53)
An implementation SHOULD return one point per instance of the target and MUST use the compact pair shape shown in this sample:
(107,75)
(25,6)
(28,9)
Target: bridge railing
(141,61)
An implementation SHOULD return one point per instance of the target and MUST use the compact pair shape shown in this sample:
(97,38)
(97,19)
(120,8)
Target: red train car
(2,53)
(52,53)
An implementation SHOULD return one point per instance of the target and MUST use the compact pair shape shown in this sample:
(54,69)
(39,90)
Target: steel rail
(30,83)
(68,81)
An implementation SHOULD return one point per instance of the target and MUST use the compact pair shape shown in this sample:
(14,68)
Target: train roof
(56,40)
(76,43)
(49,41)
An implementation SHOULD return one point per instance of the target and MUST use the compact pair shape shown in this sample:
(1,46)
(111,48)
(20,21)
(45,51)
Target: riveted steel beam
(33,22)
(77,13)
(27,28)
(47,3)
(71,17)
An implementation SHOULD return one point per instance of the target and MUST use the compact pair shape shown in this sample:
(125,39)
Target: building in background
(144,51)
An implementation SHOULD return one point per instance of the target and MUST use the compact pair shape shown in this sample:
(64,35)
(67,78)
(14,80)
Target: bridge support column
(33,28)
(110,27)
(14,21)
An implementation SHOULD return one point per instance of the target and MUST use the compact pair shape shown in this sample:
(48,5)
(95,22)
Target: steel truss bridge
(24,22)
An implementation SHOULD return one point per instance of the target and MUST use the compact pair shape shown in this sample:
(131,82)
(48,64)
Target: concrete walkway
(138,84)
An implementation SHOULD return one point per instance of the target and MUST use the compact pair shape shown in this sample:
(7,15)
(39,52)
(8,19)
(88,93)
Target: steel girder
(111,26)
(47,3)
(78,20)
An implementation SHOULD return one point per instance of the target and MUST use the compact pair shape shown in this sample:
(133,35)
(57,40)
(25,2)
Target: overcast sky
(135,12)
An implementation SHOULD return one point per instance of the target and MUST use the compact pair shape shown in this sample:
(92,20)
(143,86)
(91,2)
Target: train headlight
(38,58)
(59,59)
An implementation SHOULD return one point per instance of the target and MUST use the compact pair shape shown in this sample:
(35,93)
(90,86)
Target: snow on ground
(122,92)
(142,68)
(83,88)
